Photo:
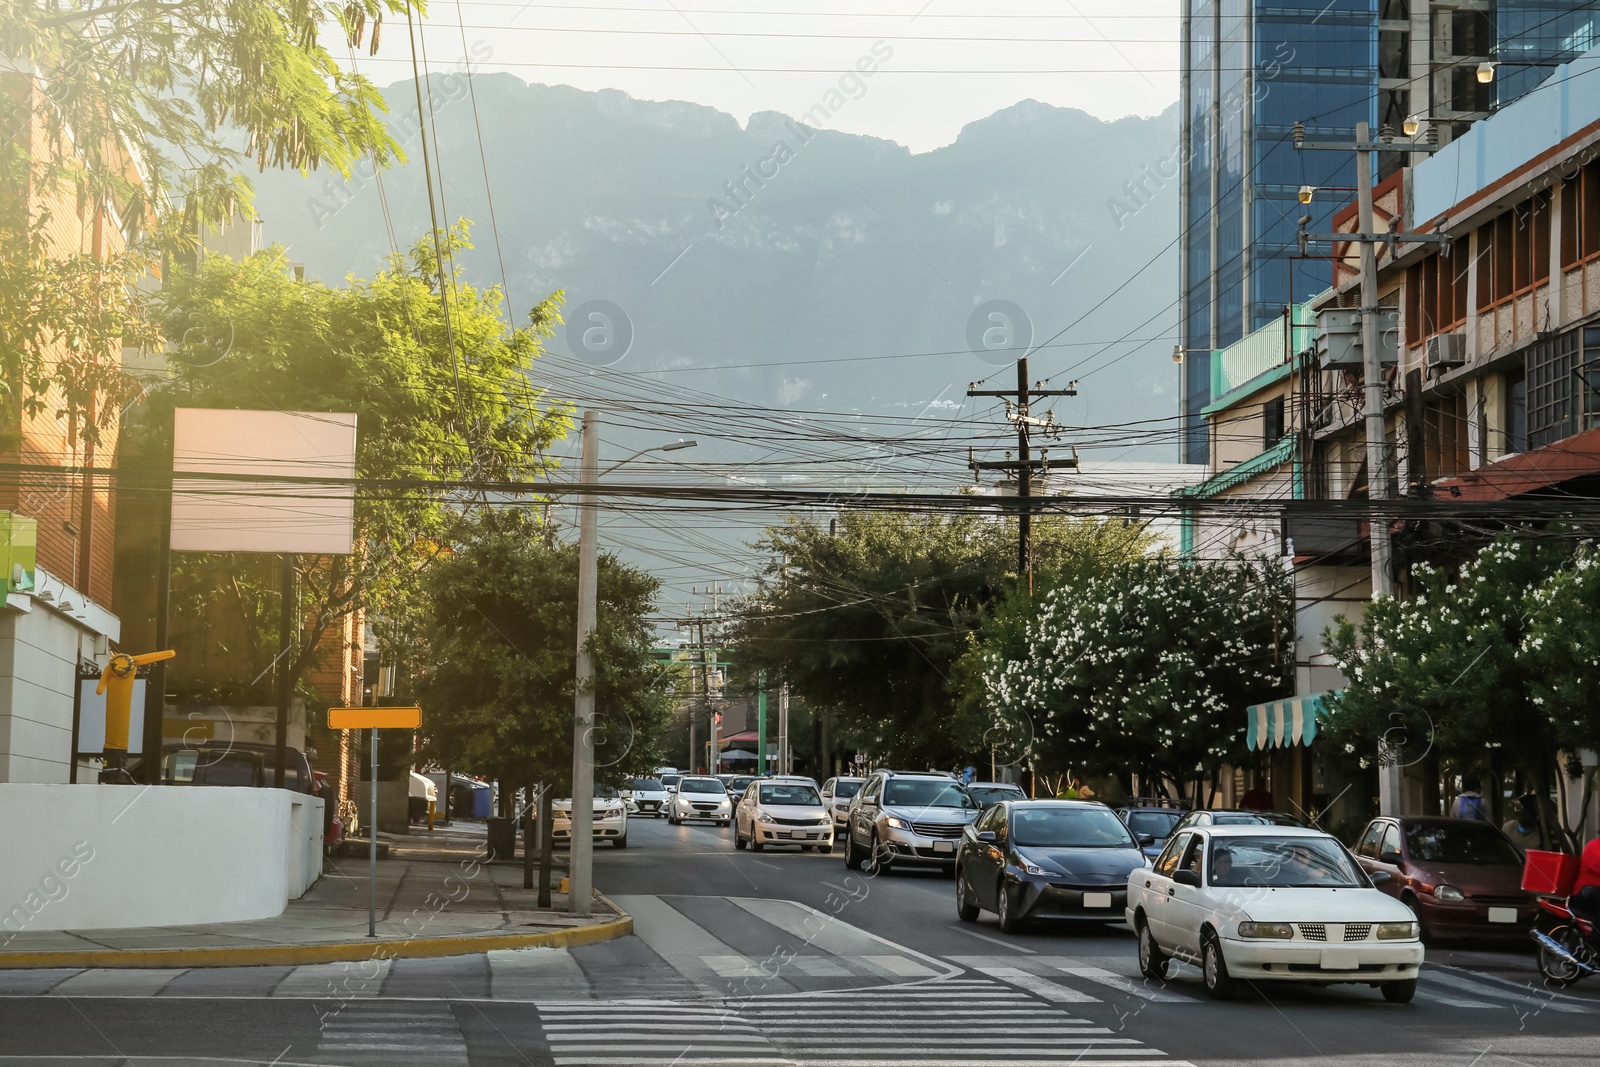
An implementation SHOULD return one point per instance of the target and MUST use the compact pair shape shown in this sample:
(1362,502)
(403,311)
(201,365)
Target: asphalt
(437,895)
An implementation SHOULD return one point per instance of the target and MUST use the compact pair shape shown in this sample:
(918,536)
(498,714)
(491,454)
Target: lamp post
(580,883)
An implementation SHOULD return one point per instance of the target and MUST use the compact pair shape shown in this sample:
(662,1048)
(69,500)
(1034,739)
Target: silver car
(836,796)
(907,818)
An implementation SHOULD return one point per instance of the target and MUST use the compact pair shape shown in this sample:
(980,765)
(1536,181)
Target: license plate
(944,846)
(797,835)
(1097,900)
(1340,959)
(1502,915)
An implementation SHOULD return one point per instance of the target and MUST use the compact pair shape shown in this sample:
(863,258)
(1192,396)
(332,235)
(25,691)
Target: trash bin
(502,839)
(482,802)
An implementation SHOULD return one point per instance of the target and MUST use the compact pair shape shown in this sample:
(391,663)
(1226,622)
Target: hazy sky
(1108,58)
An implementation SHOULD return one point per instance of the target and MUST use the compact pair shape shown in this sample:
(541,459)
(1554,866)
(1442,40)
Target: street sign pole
(372,719)
(372,843)
(761,723)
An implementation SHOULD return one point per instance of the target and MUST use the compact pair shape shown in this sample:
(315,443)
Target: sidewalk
(436,897)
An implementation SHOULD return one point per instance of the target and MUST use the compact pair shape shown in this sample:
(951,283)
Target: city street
(779,958)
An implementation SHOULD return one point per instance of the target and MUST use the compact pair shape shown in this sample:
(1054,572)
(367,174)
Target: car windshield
(789,794)
(843,790)
(1157,824)
(927,793)
(1468,843)
(988,794)
(741,783)
(1283,863)
(700,785)
(605,792)
(671,780)
(1065,827)
(647,785)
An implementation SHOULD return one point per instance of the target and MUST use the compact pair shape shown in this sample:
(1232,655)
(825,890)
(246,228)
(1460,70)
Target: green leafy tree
(1145,667)
(867,620)
(502,639)
(153,110)
(247,335)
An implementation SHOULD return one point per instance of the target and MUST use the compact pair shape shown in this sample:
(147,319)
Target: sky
(934,65)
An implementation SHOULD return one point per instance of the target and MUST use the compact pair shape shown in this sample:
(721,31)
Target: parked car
(610,817)
(1045,859)
(1234,817)
(647,796)
(782,812)
(987,793)
(422,795)
(233,763)
(913,818)
(1275,903)
(1153,822)
(1460,877)
(700,797)
(836,794)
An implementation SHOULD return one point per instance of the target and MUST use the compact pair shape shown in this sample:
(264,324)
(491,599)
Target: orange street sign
(374,718)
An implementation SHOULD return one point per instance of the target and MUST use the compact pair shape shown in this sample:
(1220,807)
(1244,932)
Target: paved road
(783,958)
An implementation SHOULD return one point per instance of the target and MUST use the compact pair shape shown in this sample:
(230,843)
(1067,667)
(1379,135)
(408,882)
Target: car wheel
(878,862)
(1152,961)
(825,849)
(738,839)
(1005,909)
(620,842)
(1214,970)
(756,844)
(852,861)
(966,910)
(1400,992)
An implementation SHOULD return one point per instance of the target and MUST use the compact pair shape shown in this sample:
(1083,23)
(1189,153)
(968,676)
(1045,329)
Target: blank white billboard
(257,514)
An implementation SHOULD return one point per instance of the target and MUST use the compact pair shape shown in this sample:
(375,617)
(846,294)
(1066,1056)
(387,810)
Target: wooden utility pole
(1025,464)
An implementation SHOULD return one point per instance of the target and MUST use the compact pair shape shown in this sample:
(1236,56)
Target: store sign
(19,549)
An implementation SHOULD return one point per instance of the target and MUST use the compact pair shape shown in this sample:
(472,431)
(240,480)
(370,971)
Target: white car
(647,796)
(783,811)
(610,817)
(1270,903)
(836,794)
(700,797)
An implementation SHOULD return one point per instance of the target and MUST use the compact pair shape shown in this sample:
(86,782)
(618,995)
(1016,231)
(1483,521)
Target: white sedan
(647,796)
(1270,903)
(610,817)
(783,811)
(700,797)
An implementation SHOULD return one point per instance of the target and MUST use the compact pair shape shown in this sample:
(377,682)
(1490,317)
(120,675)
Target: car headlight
(1448,893)
(1398,931)
(1031,868)
(762,816)
(897,823)
(1280,931)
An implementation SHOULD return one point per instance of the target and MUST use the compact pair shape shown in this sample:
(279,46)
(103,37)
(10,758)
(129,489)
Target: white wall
(38,659)
(94,857)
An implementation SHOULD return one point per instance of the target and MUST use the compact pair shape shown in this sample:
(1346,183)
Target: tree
(154,109)
(866,620)
(1145,667)
(247,335)
(502,639)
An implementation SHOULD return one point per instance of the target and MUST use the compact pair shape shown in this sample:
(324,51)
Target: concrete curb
(338,952)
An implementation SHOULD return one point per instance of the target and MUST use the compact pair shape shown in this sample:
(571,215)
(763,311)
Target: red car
(1462,877)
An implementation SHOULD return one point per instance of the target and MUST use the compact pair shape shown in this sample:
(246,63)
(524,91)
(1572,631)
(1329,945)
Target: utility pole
(1390,791)
(581,859)
(783,729)
(761,722)
(1024,465)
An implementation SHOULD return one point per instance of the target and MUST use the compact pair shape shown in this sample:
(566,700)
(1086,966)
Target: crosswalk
(953,1021)
(358,1033)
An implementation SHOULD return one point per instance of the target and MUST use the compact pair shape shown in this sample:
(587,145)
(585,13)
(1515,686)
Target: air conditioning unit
(1444,351)
(1339,338)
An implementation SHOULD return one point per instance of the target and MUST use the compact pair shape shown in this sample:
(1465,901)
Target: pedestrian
(1584,901)
(1256,799)
(1081,791)
(1524,830)
(1469,803)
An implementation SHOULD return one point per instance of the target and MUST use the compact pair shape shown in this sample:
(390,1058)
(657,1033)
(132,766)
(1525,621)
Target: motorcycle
(1569,949)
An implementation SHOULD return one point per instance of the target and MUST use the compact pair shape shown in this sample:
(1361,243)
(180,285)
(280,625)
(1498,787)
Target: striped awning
(1280,723)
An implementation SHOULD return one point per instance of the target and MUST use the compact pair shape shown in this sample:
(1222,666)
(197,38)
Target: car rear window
(1157,824)
(845,790)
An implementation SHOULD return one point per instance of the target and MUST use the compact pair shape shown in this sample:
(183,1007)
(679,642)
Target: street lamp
(1486,71)
(1306,193)
(581,861)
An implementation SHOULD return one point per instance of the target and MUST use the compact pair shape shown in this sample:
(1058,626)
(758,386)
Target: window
(1514,252)
(1167,862)
(1580,216)
(1369,841)
(1514,416)
(1478,844)
(1389,851)
(1444,428)
(1273,415)
(1436,296)
(1192,858)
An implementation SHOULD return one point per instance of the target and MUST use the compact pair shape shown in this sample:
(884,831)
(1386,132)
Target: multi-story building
(1252,70)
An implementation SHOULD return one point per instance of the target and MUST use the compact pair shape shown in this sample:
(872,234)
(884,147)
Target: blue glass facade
(1533,35)
(1253,69)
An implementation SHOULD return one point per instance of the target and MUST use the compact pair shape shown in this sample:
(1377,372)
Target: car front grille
(946,831)
(801,822)
(1357,931)
(705,807)
(1314,931)
(1500,900)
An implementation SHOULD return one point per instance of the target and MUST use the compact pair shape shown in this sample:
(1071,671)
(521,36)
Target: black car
(1046,859)
(987,793)
(1156,823)
(234,763)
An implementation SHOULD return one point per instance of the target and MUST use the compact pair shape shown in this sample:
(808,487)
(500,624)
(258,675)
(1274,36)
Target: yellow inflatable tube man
(116,682)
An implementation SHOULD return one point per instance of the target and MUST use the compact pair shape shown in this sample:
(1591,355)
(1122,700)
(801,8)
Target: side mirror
(988,837)
(1380,877)
(1391,857)
(1188,878)
(1147,839)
